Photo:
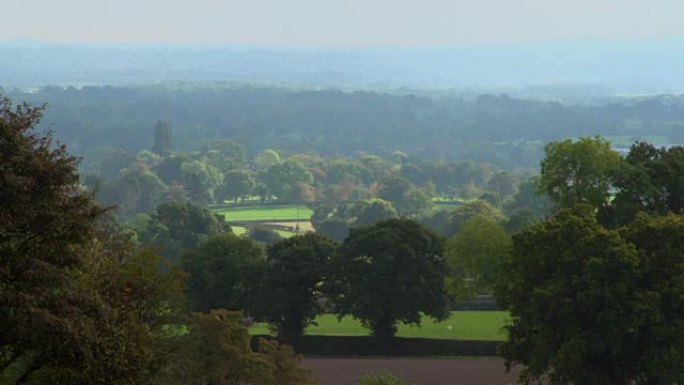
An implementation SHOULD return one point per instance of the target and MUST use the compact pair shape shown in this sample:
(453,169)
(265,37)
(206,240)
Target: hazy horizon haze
(352,23)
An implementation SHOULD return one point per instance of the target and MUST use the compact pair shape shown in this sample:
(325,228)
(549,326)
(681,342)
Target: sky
(339,23)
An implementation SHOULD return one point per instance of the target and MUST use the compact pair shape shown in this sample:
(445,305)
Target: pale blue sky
(341,23)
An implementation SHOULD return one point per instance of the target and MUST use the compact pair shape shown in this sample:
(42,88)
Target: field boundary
(398,347)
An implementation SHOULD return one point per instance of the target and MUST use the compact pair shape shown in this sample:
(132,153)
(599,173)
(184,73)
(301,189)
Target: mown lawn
(464,325)
(265,212)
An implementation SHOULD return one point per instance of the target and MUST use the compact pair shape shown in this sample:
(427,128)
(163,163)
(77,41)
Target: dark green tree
(135,190)
(291,284)
(237,184)
(651,180)
(79,304)
(573,291)
(177,226)
(390,272)
(223,271)
(216,350)
(264,235)
(367,212)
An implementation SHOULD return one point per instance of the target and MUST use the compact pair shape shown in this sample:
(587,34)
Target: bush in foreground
(381,379)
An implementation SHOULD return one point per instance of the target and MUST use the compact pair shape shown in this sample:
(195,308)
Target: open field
(419,371)
(464,325)
(265,213)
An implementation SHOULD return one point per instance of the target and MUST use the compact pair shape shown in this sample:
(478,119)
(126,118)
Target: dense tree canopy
(291,283)
(476,256)
(390,272)
(579,172)
(79,304)
(176,226)
(223,272)
(651,180)
(592,305)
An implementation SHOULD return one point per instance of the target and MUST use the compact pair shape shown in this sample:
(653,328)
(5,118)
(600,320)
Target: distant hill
(562,70)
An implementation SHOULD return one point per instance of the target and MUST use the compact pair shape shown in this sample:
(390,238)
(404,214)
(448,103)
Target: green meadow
(265,213)
(463,325)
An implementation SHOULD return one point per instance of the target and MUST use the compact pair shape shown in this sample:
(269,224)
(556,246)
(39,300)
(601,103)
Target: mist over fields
(571,71)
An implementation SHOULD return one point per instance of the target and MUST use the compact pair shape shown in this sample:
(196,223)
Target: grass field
(464,325)
(265,212)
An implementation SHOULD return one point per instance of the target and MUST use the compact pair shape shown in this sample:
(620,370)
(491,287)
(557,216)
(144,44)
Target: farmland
(466,325)
(265,213)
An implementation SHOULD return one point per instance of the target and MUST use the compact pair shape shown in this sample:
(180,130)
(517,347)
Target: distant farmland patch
(462,325)
(266,213)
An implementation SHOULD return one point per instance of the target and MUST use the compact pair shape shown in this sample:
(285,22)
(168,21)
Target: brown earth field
(418,371)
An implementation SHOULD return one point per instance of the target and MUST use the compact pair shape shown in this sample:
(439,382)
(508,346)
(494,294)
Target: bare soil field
(423,371)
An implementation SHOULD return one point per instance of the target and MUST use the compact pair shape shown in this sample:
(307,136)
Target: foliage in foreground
(80,303)
(380,379)
(592,305)
(216,350)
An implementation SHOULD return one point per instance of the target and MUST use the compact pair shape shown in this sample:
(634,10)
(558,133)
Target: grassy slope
(466,325)
(265,212)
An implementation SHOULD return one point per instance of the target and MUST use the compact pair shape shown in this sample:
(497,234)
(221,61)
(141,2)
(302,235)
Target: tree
(390,272)
(169,169)
(334,228)
(650,181)
(573,293)
(519,220)
(237,184)
(394,189)
(222,271)
(283,179)
(341,170)
(529,198)
(577,172)
(266,159)
(476,256)
(290,293)
(216,350)
(79,304)
(176,226)
(458,216)
(163,144)
(264,235)
(414,174)
(135,190)
(416,201)
(201,180)
(368,212)
(43,216)
(660,338)
(503,184)
(224,154)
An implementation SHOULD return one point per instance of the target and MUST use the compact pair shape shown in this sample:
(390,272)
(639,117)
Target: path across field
(436,371)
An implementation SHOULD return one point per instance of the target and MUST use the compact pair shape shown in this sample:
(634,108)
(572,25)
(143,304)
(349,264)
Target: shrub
(380,379)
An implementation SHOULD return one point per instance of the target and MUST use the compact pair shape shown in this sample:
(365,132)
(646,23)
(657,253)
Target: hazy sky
(336,23)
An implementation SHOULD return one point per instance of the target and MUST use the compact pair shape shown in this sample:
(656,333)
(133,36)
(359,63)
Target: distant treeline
(492,128)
